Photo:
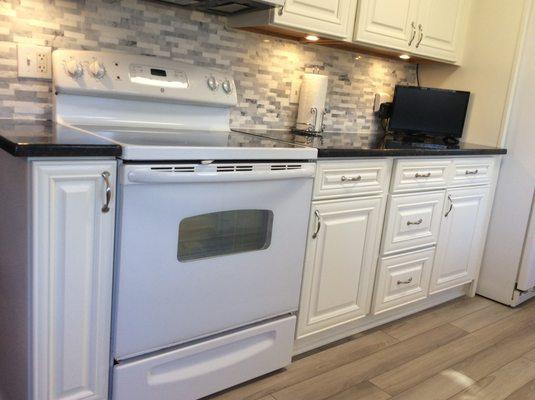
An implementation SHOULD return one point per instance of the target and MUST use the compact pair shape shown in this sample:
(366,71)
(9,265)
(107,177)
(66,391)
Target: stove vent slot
(285,167)
(174,169)
(234,168)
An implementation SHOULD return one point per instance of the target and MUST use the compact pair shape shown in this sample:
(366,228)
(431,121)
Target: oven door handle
(150,176)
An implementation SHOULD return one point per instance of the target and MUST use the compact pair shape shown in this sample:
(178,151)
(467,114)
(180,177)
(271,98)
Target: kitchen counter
(25,138)
(348,144)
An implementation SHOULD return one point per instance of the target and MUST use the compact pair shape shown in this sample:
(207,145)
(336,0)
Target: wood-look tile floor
(467,349)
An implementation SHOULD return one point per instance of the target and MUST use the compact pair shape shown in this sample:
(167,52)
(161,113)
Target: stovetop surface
(146,136)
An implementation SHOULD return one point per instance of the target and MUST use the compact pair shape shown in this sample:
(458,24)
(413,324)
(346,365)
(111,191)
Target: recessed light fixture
(358,57)
(405,57)
(266,40)
(312,38)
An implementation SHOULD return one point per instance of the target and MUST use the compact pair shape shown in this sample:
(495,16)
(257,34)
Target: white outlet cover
(294,92)
(34,61)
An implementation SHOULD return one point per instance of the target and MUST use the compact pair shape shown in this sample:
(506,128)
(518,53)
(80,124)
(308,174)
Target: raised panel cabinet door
(333,18)
(441,28)
(387,23)
(340,263)
(461,238)
(73,239)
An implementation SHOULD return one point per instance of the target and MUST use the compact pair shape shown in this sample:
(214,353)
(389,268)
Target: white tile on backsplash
(264,71)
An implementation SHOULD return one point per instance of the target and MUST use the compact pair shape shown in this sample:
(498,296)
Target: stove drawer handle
(106,176)
(148,176)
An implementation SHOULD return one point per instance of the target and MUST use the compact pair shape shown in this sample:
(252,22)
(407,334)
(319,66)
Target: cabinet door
(461,238)
(441,28)
(334,18)
(72,279)
(387,23)
(340,263)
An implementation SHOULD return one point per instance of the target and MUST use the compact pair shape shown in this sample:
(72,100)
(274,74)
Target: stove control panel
(118,75)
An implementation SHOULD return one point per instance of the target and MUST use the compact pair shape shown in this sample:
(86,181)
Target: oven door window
(223,233)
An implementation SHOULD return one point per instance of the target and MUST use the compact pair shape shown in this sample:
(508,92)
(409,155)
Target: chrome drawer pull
(451,206)
(106,176)
(418,175)
(318,227)
(351,178)
(474,172)
(421,29)
(413,25)
(415,223)
(405,282)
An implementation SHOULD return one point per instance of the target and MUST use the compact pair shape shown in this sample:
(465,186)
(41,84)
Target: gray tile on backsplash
(263,67)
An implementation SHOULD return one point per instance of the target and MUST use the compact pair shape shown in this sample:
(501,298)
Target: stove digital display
(158,72)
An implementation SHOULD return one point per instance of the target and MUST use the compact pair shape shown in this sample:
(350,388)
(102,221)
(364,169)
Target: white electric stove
(211,225)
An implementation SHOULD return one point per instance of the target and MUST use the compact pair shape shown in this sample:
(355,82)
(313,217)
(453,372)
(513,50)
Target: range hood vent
(227,7)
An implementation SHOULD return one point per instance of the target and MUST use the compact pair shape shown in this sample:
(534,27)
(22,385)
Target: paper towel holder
(310,127)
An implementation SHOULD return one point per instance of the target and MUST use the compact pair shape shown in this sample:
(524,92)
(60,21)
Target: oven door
(207,248)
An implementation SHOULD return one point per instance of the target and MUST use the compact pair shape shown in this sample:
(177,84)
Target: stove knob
(74,69)
(227,87)
(97,70)
(213,84)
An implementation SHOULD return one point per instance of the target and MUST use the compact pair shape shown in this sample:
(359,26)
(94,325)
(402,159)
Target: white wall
(486,69)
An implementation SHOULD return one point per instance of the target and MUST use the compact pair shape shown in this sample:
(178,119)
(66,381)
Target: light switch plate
(34,61)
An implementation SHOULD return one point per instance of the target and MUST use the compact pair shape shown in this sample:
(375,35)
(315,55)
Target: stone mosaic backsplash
(263,67)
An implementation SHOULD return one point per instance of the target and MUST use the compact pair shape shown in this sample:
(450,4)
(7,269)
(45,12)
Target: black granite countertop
(350,144)
(26,138)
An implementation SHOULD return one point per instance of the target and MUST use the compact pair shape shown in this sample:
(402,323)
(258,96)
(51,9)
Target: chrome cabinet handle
(413,33)
(405,282)
(415,223)
(474,172)
(418,175)
(281,8)
(106,176)
(420,28)
(318,226)
(350,178)
(451,206)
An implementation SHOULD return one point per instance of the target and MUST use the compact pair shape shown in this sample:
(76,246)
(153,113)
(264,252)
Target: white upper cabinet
(72,278)
(440,30)
(427,28)
(387,23)
(332,18)
(461,237)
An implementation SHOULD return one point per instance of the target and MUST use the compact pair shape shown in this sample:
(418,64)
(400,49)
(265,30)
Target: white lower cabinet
(432,240)
(461,237)
(340,263)
(403,279)
(73,235)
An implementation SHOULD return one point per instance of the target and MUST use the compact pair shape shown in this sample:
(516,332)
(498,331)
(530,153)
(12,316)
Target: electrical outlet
(34,61)
(294,92)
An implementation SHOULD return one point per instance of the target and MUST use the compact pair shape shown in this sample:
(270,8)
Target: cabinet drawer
(343,179)
(403,279)
(421,174)
(413,220)
(472,171)
(203,368)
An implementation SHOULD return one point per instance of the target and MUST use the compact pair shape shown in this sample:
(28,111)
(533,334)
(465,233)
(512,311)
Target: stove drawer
(206,367)
(335,179)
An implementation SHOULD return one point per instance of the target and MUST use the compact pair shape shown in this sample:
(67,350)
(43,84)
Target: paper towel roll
(312,97)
